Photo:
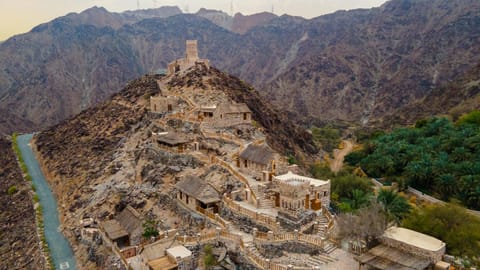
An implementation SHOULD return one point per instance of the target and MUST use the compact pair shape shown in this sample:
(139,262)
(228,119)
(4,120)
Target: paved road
(339,155)
(60,249)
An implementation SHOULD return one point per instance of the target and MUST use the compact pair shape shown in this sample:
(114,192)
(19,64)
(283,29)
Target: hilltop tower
(190,60)
(192,51)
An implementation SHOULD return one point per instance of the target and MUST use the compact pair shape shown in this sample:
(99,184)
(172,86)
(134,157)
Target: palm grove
(436,156)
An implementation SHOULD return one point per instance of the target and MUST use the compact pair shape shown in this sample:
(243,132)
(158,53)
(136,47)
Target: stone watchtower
(192,51)
(191,58)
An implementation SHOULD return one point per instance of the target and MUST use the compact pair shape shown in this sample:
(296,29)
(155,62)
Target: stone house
(205,113)
(191,58)
(402,248)
(299,192)
(173,141)
(164,104)
(231,114)
(195,193)
(125,229)
(257,159)
(225,115)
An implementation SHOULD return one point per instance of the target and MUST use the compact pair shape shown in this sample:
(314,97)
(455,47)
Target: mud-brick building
(297,192)
(195,193)
(257,159)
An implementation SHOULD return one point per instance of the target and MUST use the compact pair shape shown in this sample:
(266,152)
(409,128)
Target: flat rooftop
(291,178)
(179,251)
(414,238)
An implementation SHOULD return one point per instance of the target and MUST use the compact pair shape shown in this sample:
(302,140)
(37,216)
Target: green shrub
(12,190)
(208,258)
(292,159)
(149,229)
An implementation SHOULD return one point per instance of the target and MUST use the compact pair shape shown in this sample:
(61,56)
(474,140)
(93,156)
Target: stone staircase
(329,247)
(321,227)
(263,202)
(314,261)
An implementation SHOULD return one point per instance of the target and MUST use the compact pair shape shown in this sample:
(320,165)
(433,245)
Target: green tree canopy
(450,223)
(436,156)
(395,206)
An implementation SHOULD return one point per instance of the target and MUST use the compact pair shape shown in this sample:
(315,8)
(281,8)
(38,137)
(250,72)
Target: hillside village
(224,193)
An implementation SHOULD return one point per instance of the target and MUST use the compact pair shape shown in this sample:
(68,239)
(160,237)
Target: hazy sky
(19,16)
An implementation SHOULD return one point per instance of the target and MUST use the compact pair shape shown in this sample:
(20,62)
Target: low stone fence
(331,220)
(225,235)
(424,196)
(376,183)
(235,173)
(222,136)
(214,217)
(271,238)
(260,218)
(431,199)
(266,264)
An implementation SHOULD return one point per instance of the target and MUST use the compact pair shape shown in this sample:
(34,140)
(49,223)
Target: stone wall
(161,104)
(433,256)
(322,193)
(187,200)
(222,120)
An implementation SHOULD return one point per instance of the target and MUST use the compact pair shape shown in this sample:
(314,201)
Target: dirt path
(339,154)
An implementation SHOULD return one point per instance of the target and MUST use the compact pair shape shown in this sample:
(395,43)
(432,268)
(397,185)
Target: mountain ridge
(354,66)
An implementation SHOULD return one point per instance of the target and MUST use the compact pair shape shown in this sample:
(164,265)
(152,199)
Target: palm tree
(395,206)
(359,199)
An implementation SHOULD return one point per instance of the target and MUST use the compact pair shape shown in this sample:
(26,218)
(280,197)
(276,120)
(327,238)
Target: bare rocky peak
(243,23)
(218,17)
(355,66)
(239,23)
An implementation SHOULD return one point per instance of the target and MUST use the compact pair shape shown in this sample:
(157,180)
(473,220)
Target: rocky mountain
(455,98)
(359,66)
(242,23)
(19,242)
(111,156)
(239,23)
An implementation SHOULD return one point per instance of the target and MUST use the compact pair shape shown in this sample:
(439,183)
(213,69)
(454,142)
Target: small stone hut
(173,141)
(256,159)
(196,193)
(125,229)
(231,114)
